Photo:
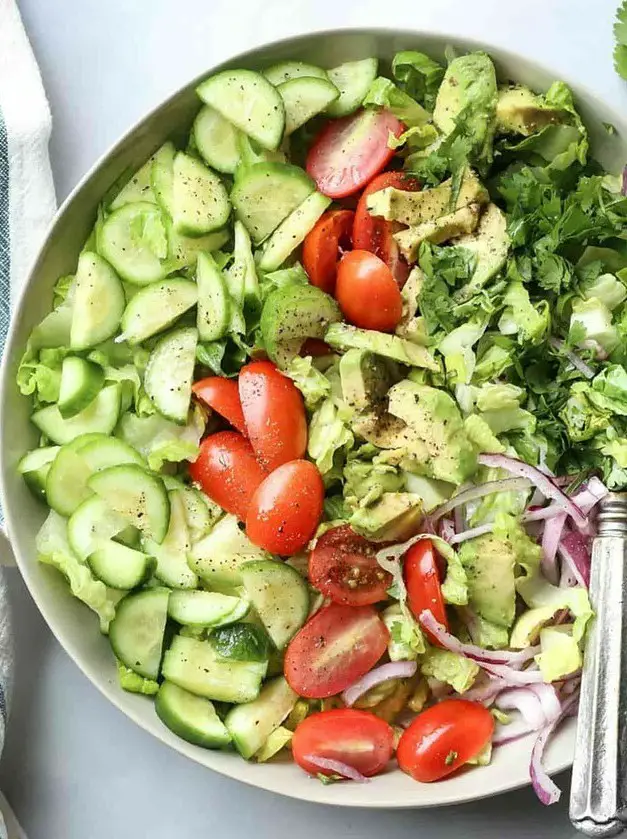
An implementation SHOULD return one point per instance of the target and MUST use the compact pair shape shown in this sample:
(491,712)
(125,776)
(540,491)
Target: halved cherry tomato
(356,738)
(274,413)
(367,292)
(286,509)
(222,395)
(344,567)
(227,471)
(324,246)
(334,649)
(349,152)
(375,234)
(443,738)
(315,348)
(423,583)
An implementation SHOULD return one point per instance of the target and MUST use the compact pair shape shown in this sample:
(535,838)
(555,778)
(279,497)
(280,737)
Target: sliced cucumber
(137,630)
(35,467)
(98,302)
(156,307)
(206,608)
(183,251)
(217,140)
(200,512)
(91,525)
(250,725)
(353,80)
(304,97)
(136,494)
(241,642)
(81,382)
(131,240)
(121,567)
(251,153)
(266,194)
(286,70)
(194,666)
(218,557)
(200,203)
(292,231)
(249,101)
(214,305)
(190,717)
(100,416)
(162,175)
(138,188)
(291,315)
(171,555)
(169,374)
(280,597)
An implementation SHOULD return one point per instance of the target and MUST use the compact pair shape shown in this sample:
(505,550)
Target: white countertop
(75,767)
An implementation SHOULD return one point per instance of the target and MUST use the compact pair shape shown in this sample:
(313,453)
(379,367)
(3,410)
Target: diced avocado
(341,336)
(387,432)
(367,480)
(469,87)
(431,492)
(436,423)
(393,518)
(365,379)
(527,628)
(414,208)
(489,564)
(489,635)
(521,111)
(490,243)
(458,223)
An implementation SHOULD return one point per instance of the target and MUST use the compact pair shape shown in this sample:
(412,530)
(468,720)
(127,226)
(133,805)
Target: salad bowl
(67,618)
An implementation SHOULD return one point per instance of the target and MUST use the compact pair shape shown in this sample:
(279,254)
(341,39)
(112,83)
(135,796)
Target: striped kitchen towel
(27,204)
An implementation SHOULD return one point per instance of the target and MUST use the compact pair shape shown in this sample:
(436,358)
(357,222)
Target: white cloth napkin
(27,204)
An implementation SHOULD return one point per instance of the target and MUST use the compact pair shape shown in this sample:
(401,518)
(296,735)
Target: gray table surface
(75,767)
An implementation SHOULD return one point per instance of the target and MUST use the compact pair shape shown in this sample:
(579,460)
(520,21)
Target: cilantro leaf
(620,34)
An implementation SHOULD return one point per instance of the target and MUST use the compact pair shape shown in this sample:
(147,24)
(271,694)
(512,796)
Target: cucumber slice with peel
(286,70)
(200,203)
(190,717)
(35,467)
(266,194)
(156,307)
(133,240)
(81,382)
(217,140)
(206,608)
(137,495)
(291,315)
(169,374)
(353,80)
(91,525)
(248,101)
(138,188)
(304,97)
(292,231)
(218,557)
(171,555)
(200,512)
(121,567)
(250,725)
(214,305)
(136,633)
(280,597)
(101,416)
(162,174)
(98,302)
(183,251)
(241,642)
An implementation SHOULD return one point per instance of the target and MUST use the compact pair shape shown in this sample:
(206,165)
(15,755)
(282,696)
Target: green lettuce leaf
(161,441)
(446,666)
(385,94)
(328,434)
(520,317)
(134,683)
(406,639)
(418,75)
(313,384)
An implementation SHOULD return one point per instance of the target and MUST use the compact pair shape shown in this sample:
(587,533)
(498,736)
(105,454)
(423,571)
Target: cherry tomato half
(423,583)
(349,152)
(356,738)
(324,246)
(443,738)
(222,395)
(344,567)
(274,413)
(337,646)
(367,292)
(375,234)
(227,471)
(286,509)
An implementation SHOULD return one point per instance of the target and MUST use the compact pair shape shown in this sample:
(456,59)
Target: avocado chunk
(521,111)
(463,221)
(365,379)
(432,416)
(414,208)
(489,564)
(385,431)
(341,336)
(490,244)
(394,517)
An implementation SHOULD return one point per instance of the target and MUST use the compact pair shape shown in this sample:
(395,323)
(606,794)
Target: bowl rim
(106,688)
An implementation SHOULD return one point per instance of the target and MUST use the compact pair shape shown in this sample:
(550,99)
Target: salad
(327,408)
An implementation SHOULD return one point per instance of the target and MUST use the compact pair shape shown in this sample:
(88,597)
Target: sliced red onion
(549,701)
(546,486)
(527,703)
(567,578)
(447,530)
(550,542)
(479,491)
(575,554)
(542,513)
(481,530)
(544,787)
(578,363)
(514,678)
(391,670)
(594,491)
(459,519)
(486,693)
(336,767)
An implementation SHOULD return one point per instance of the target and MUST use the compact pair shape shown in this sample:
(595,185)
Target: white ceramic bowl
(72,623)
